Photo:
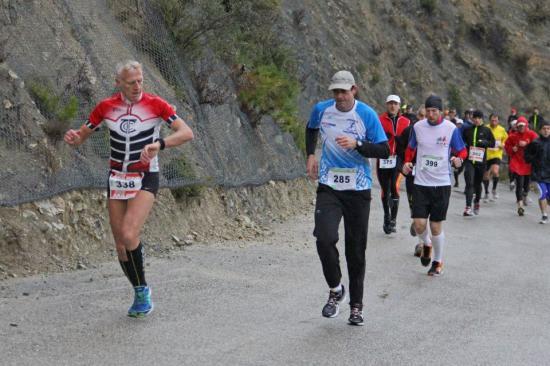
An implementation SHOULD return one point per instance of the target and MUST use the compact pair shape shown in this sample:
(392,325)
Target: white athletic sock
(337,288)
(438,241)
(425,236)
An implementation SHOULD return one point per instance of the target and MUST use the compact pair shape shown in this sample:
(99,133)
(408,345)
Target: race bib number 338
(342,179)
(123,186)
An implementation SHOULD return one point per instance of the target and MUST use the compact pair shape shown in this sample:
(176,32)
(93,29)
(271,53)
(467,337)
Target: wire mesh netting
(60,61)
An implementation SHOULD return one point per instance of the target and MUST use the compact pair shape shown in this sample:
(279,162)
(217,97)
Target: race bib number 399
(431,162)
(123,186)
(342,179)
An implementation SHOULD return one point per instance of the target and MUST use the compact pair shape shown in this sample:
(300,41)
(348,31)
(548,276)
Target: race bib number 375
(388,163)
(342,179)
(123,186)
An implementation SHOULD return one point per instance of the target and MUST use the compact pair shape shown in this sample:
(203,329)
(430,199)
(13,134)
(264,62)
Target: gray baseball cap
(342,80)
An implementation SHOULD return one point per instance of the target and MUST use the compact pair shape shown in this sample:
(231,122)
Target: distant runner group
(427,149)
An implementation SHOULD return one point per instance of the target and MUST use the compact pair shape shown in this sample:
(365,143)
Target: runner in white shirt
(432,141)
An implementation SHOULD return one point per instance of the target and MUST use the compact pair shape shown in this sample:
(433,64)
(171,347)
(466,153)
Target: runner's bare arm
(182,133)
(77,137)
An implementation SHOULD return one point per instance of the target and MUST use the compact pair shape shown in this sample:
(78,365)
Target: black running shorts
(430,202)
(495,161)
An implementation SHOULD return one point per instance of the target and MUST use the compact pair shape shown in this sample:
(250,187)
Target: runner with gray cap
(350,132)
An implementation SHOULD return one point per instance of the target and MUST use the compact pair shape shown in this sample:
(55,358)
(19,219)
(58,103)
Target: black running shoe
(332,307)
(393,225)
(356,315)
(436,269)
(418,250)
(426,256)
(521,211)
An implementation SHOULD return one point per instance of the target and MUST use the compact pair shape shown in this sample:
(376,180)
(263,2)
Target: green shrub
(428,5)
(375,78)
(539,14)
(180,168)
(242,32)
(58,114)
(492,36)
(454,97)
(269,90)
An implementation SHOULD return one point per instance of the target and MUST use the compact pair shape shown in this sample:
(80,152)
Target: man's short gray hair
(127,66)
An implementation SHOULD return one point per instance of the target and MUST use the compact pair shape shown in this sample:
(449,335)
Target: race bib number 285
(342,179)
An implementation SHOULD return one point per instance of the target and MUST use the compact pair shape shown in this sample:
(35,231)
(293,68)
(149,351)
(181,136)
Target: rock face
(75,54)
(495,53)
(485,54)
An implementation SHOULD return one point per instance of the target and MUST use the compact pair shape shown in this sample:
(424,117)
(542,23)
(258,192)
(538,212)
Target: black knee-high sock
(495,182)
(394,208)
(386,207)
(133,268)
(486,186)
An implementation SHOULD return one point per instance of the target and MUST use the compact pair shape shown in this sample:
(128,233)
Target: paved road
(260,303)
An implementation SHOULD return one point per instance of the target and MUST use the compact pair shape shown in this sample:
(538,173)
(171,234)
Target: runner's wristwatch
(161,143)
(359,144)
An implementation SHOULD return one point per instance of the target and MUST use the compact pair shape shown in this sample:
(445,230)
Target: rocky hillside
(487,54)
(244,74)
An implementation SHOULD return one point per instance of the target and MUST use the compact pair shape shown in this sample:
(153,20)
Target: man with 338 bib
(134,119)
(350,131)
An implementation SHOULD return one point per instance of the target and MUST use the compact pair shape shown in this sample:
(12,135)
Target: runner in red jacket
(515,148)
(389,176)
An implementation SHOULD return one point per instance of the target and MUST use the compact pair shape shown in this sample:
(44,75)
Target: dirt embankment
(71,231)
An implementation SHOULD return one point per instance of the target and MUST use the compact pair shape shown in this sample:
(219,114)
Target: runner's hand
(407,168)
(522,143)
(457,162)
(149,152)
(312,167)
(346,142)
(72,137)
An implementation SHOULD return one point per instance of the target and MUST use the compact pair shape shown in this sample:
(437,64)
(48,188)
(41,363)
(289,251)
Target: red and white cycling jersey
(131,127)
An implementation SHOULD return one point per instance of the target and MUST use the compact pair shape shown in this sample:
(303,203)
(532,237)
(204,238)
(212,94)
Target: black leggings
(409,185)
(354,207)
(473,174)
(389,183)
(522,186)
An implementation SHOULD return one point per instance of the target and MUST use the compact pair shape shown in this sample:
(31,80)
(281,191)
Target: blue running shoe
(142,302)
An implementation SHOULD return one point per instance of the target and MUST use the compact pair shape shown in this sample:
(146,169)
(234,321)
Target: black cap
(478,114)
(434,101)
